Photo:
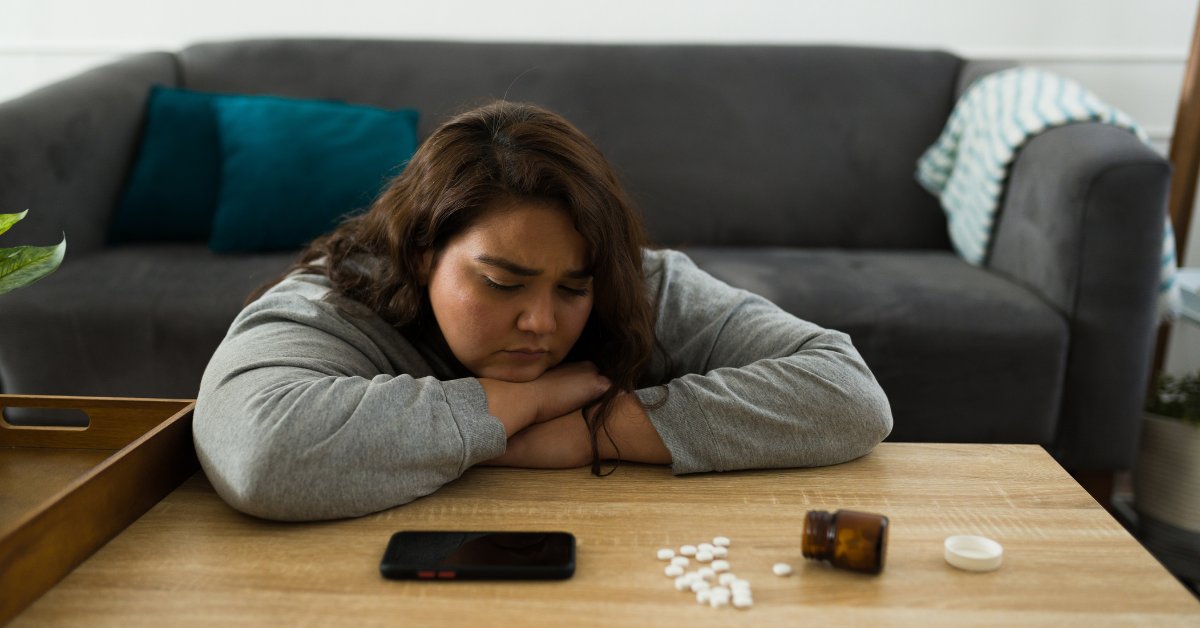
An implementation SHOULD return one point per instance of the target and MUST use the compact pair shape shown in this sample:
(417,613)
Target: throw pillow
(292,169)
(172,189)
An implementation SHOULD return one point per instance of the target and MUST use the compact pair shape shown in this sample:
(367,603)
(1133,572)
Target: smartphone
(460,555)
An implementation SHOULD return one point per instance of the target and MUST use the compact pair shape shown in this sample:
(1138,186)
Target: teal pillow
(292,169)
(172,189)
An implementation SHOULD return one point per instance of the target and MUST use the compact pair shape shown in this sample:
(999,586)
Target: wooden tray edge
(43,547)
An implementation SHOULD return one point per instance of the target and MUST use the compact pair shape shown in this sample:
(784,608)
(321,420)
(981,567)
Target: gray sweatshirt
(313,407)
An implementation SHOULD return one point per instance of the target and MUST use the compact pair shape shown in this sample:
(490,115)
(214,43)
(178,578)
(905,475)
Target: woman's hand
(564,442)
(558,392)
(560,443)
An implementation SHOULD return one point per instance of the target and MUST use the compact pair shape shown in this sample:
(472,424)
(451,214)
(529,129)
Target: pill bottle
(848,539)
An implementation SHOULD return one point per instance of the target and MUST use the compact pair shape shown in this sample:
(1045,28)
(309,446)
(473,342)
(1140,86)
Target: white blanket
(968,164)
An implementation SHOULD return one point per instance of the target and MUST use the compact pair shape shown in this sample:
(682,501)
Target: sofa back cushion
(718,145)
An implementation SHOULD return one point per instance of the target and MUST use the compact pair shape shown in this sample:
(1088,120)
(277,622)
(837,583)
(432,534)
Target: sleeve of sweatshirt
(752,386)
(301,416)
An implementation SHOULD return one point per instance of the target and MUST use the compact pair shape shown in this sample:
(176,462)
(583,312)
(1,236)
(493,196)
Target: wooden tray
(66,491)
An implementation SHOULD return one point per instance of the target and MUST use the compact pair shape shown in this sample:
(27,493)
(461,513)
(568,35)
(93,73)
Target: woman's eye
(499,286)
(576,292)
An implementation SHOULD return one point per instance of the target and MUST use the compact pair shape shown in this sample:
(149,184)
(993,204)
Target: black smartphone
(459,555)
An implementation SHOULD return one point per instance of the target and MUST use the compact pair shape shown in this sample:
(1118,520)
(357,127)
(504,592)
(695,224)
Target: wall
(1131,52)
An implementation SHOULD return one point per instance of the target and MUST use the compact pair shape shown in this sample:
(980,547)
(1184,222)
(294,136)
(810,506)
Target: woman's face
(513,291)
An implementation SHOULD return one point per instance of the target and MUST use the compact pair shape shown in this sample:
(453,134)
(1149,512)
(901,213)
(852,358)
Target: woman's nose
(537,315)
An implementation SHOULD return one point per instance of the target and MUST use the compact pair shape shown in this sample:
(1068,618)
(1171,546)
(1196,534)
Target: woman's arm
(752,386)
(565,442)
(306,413)
(559,391)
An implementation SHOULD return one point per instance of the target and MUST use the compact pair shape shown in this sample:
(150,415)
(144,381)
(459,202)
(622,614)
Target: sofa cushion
(292,169)
(931,327)
(255,173)
(720,145)
(131,321)
(172,189)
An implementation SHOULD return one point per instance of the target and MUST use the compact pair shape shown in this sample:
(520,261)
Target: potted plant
(1166,475)
(23,265)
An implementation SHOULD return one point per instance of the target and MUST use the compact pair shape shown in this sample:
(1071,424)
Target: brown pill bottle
(846,538)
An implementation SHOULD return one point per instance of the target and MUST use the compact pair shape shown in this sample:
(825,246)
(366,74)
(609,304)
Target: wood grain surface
(191,560)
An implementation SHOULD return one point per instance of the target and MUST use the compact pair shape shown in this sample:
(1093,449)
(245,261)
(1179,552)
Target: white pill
(681,561)
(704,557)
(688,550)
(720,552)
(782,569)
(742,603)
(683,583)
(718,602)
(740,585)
(707,573)
(705,547)
(721,541)
(720,565)
(726,578)
(700,585)
(666,553)
(673,571)
(702,596)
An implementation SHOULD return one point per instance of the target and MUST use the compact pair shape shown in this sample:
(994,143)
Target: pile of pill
(712,582)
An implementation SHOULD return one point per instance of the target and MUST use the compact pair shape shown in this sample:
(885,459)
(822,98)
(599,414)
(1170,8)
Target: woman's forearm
(629,434)
(564,442)
(559,391)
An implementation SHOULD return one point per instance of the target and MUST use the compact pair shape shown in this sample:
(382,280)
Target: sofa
(786,170)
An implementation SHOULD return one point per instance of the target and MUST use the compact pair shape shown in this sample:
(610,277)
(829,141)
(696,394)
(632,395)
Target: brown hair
(498,151)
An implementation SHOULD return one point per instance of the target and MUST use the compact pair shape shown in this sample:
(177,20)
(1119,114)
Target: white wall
(1131,52)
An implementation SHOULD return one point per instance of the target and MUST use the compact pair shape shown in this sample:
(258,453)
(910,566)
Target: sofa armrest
(65,150)
(1082,225)
(975,69)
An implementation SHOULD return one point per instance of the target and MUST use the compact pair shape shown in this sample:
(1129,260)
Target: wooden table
(193,560)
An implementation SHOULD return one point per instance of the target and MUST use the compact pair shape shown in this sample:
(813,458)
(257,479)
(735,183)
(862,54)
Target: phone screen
(458,555)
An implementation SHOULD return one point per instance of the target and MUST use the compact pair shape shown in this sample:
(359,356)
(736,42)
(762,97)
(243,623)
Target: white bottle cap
(973,553)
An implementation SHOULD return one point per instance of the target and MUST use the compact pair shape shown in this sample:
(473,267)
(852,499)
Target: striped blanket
(967,166)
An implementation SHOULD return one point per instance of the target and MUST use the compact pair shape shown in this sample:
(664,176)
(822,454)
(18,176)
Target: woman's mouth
(526,355)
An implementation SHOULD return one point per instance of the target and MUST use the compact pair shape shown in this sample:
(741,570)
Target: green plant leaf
(8,220)
(1176,397)
(23,265)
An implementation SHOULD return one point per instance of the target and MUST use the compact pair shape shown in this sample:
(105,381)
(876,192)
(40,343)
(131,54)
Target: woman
(496,305)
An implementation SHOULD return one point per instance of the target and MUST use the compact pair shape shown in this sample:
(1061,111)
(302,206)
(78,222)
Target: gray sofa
(787,170)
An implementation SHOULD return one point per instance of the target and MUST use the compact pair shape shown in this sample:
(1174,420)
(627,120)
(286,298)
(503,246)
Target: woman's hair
(501,151)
